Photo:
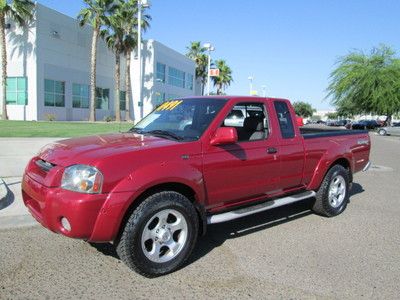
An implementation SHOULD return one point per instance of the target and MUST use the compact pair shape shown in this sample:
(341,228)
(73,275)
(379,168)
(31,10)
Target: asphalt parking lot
(285,253)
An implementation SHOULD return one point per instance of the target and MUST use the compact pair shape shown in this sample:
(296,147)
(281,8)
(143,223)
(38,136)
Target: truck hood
(88,150)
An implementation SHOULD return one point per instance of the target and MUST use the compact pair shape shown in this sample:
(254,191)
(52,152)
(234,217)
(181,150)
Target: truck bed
(309,132)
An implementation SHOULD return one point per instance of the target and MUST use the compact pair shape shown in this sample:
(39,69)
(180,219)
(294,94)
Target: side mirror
(224,136)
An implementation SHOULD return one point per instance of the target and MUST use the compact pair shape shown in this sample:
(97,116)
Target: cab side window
(285,119)
(250,121)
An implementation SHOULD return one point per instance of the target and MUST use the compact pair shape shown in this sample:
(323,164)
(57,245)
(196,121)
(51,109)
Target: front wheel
(160,234)
(382,132)
(333,194)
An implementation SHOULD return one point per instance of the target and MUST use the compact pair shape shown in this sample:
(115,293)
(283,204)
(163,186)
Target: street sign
(214,72)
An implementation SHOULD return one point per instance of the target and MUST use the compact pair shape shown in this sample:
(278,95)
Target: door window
(250,121)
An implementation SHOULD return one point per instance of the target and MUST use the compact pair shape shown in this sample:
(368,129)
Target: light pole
(141,4)
(209,48)
(250,78)
(264,87)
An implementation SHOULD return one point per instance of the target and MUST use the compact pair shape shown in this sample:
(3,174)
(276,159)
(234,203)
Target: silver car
(390,130)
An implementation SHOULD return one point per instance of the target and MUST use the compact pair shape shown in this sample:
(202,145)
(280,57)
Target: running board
(242,212)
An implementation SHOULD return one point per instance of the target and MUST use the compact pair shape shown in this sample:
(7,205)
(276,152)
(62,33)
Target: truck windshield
(181,119)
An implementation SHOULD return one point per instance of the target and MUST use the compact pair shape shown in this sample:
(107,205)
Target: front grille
(44,165)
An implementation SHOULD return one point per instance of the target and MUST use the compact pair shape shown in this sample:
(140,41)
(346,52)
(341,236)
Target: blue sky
(290,46)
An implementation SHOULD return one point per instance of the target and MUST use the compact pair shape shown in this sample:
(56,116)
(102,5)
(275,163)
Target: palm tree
(225,76)
(130,24)
(198,53)
(96,14)
(21,12)
(114,37)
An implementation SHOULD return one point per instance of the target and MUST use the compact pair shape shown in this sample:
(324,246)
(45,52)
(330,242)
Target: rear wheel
(159,235)
(382,132)
(333,194)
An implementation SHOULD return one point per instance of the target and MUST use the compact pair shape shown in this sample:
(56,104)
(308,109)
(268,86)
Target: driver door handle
(272,150)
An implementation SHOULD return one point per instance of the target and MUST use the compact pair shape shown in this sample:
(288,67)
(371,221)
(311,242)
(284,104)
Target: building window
(122,100)
(160,72)
(16,91)
(172,97)
(176,77)
(189,81)
(159,98)
(80,95)
(54,93)
(102,98)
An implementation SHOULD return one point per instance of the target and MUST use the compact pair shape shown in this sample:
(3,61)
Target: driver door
(246,169)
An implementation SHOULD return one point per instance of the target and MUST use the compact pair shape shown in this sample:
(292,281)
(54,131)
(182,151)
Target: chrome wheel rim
(164,236)
(337,191)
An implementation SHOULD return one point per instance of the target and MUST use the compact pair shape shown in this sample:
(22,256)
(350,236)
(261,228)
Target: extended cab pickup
(153,190)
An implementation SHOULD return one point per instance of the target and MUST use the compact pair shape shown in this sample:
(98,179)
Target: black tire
(129,245)
(323,205)
(382,132)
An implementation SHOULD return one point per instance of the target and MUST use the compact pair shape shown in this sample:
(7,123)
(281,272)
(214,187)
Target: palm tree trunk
(128,88)
(388,120)
(92,115)
(117,86)
(3,66)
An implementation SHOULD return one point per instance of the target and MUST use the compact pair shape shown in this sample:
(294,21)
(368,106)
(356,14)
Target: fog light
(65,223)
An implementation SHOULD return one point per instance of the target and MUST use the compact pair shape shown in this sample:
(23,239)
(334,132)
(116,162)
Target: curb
(3,190)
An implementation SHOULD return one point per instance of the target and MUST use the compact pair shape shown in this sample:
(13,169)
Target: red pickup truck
(191,162)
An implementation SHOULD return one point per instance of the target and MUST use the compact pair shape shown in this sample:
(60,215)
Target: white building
(49,72)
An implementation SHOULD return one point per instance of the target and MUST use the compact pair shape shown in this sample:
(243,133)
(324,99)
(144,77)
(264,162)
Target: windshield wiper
(136,130)
(164,133)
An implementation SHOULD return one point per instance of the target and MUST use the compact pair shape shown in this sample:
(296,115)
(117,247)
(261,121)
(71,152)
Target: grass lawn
(58,129)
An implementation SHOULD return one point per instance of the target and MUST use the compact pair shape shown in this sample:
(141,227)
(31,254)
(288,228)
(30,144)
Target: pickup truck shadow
(217,234)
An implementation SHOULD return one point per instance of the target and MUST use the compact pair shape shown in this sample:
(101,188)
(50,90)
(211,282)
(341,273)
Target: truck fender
(132,187)
(159,173)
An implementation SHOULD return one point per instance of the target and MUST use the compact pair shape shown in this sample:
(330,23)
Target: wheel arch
(178,187)
(319,177)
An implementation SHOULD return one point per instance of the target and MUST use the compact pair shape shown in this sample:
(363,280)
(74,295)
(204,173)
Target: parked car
(330,122)
(390,130)
(236,116)
(341,123)
(365,124)
(153,190)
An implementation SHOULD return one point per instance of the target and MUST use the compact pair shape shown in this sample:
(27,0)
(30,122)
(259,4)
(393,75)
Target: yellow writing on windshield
(169,105)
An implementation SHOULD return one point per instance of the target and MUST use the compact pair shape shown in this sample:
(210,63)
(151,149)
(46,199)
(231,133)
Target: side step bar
(242,212)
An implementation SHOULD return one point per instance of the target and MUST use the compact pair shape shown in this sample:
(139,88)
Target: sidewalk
(14,156)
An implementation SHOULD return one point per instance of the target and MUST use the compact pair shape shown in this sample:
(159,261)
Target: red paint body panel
(220,176)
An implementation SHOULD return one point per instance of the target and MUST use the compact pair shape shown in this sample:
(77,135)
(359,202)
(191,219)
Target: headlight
(82,179)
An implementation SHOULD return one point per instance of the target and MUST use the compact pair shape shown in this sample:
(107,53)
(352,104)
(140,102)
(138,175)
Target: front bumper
(93,217)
